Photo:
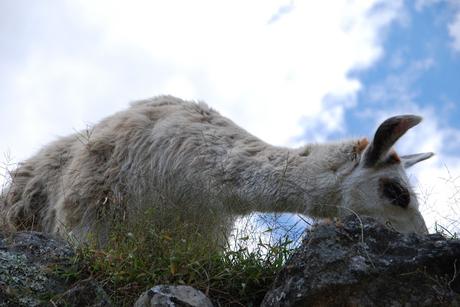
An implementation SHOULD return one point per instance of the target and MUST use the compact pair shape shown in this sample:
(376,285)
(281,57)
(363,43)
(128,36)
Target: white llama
(186,159)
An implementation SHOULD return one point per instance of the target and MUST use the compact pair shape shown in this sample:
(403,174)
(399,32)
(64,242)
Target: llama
(185,159)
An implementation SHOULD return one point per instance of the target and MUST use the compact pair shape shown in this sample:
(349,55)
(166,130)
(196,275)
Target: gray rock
(354,264)
(171,296)
(29,262)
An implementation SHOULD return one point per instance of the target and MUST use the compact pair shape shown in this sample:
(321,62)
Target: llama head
(378,185)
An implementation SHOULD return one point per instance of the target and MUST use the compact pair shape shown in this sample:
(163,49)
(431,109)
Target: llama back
(134,158)
(28,201)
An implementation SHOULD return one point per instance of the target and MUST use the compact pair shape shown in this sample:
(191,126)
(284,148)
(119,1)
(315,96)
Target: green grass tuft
(140,256)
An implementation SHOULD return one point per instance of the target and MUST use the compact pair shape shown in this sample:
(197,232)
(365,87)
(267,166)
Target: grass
(137,257)
(445,231)
(142,255)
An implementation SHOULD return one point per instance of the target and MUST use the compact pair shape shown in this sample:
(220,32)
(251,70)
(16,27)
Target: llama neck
(305,180)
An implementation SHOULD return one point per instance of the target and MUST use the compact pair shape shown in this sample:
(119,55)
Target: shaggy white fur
(186,159)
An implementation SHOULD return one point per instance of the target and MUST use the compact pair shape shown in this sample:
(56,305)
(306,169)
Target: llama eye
(395,192)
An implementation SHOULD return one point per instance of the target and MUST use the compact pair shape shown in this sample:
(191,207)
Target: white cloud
(421,4)
(262,70)
(438,189)
(454,32)
(265,64)
(437,180)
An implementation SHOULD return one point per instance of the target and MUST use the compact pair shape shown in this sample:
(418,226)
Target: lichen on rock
(27,269)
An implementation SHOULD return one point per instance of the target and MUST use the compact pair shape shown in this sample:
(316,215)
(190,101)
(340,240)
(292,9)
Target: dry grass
(139,256)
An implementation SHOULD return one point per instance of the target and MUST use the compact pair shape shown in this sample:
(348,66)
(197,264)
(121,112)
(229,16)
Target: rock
(29,263)
(84,293)
(354,264)
(170,296)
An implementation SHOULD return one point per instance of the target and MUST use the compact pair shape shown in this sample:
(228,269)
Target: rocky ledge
(355,262)
(359,262)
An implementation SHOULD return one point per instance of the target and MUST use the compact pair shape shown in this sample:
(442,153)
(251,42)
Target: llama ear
(386,136)
(410,160)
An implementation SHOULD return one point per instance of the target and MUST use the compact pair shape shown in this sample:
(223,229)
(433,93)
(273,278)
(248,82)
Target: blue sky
(422,37)
(289,72)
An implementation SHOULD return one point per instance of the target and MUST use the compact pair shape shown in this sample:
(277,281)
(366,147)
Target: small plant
(444,231)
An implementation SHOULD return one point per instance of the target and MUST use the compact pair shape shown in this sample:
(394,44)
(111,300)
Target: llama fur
(184,160)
